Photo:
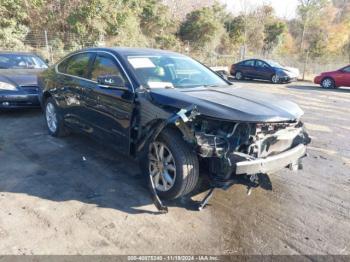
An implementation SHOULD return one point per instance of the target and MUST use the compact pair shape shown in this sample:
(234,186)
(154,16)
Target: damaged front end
(227,150)
(248,148)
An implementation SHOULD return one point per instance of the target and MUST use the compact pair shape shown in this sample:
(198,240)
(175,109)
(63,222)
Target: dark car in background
(264,70)
(172,113)
(18,79)
(334,79)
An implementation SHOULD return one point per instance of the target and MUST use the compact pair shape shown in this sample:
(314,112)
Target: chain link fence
(53,46)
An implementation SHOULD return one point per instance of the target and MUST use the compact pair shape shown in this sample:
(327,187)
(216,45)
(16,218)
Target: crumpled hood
(20,77)
(230,103)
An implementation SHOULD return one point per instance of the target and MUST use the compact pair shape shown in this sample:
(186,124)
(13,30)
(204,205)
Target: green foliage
(318,44)
(273,34)
(13,23)
(155,18)
(320,28)
(86,20)
(203,27)
(235,27)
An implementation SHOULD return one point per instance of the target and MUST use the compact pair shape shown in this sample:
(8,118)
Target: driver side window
(104,66)
(261,64)
(248,63)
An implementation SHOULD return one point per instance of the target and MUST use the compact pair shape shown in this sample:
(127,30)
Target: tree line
(320,30)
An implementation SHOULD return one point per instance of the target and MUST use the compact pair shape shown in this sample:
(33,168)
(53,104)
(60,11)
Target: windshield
(20,61)
(163,71)
(274,64)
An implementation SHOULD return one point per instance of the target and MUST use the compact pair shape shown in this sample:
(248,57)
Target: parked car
(264,70)
(334,79)
(172,113)
(18,79)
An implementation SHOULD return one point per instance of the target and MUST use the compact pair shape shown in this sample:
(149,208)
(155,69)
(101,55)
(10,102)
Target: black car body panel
(26,93)
(230,103)
(230,125)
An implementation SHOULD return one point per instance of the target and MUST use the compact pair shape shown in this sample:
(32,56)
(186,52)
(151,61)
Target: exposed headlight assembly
(7,86)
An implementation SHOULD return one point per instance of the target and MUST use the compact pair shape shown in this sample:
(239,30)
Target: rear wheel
(238,75)
(328,83)
(54,120)
(173,165)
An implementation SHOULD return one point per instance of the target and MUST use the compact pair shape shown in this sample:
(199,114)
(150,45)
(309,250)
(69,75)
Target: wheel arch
(182,130)
(45,96)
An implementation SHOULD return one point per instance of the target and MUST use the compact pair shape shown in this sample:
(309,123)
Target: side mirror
(47,61)
(112,81)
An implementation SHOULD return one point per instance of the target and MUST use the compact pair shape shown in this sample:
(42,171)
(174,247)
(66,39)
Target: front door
(263,70)
(345,77)
(109,109)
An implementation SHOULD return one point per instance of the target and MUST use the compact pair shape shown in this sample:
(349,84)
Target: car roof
(258,59)
(126,51)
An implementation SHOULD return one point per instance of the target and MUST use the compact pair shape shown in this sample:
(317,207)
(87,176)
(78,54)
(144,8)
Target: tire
(239,75)
(275,79)
(54,120)
(328,83)
(183,169)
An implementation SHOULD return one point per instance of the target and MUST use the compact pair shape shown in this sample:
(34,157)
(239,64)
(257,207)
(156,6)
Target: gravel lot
(72,196)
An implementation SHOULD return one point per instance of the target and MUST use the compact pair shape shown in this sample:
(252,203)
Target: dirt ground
(72,196)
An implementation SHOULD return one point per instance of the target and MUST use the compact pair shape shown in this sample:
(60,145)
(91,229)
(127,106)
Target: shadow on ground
(75,168)
(72,168)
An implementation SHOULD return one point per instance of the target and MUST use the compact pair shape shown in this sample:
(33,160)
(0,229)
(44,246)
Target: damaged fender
(178,119)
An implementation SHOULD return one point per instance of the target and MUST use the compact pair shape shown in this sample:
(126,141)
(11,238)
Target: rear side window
(76,65)
(103,66)
(248,63)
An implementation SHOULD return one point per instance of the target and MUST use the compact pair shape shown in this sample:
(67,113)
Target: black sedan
(172,113)
(264,70)
(18,79)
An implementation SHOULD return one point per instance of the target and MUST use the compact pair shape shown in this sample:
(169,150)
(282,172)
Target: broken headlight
(215,137)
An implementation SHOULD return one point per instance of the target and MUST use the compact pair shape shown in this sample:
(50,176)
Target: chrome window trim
(89,80)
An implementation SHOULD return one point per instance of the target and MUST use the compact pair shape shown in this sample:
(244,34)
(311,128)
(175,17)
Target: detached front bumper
(271,164)
(18,100)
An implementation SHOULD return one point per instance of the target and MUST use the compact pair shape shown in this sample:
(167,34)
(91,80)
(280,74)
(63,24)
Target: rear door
(248,68)
(109,109)
(71,79)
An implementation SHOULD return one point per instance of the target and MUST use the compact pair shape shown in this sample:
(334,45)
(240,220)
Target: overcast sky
(284,8)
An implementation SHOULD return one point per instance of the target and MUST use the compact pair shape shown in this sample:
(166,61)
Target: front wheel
(275,79)
(173,165)
(328,83)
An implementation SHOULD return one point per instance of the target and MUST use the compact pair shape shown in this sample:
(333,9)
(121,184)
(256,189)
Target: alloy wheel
(161,166)
(238,76)
(51,117)
(327,83)
(275,79)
